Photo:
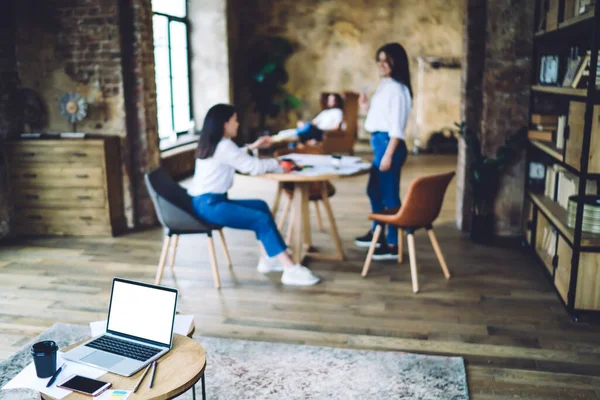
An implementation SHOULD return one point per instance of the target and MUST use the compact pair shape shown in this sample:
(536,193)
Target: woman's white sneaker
(299,275)
(269,264)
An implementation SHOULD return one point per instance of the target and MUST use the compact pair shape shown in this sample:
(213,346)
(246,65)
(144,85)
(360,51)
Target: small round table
(301,214)
(176,372)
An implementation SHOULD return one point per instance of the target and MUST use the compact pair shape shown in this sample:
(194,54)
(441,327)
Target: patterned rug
(239,369)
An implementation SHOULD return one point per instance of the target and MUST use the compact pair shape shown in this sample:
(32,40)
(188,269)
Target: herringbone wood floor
(498,310)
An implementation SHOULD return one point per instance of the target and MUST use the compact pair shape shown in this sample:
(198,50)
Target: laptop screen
(142,311)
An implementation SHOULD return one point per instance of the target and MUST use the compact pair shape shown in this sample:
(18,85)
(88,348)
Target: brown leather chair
(420,209)
(287,188)
(342,140)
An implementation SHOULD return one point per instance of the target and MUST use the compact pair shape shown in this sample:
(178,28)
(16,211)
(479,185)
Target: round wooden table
(176,372)
(301,240)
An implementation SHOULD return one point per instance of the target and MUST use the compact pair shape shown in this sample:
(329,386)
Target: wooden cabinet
(66,186)
(576,132)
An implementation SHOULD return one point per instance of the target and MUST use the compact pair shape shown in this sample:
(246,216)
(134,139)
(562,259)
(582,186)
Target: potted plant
(484,175)
(267,77)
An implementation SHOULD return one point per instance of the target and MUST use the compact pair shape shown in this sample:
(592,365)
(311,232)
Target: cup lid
(43,348)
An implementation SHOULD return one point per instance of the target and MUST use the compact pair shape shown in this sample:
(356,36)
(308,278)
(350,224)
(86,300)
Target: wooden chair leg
(400,244)
(319,219)
(290,229)
(277,199)
(286,211)
(225,249)
(334,232)
(213,261)
(438,252)
(413,262)
(172,258)
(163,259)
(367,265)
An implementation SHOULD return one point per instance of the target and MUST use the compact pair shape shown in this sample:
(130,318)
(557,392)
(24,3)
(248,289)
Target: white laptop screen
(142,311)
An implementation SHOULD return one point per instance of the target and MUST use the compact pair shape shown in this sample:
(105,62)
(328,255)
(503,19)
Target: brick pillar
(498,48)
(140,102)
(9,121)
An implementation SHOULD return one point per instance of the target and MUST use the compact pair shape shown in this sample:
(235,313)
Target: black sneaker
(366,239)
(386,252)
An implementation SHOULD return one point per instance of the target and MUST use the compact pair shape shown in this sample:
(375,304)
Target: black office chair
(175,212)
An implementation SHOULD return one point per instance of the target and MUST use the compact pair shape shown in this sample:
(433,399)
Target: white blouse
(215,174)
(329,119)
(390,108)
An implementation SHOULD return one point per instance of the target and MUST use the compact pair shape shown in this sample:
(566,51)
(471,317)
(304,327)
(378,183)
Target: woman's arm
(245,163)
(386,161)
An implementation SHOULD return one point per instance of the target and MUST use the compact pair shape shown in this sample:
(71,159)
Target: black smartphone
(83,385)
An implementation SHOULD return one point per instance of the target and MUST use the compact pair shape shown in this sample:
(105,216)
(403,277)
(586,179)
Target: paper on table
(183,325)
(324,170)
(27,379)
(114,395)
(317,160)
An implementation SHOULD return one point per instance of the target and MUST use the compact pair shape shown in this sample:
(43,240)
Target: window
(170,26)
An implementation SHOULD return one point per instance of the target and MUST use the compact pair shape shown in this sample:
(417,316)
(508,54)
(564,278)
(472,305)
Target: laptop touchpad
(102,359)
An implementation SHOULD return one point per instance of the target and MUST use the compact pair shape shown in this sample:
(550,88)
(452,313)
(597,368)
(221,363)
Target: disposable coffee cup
(336,161)
(44,358)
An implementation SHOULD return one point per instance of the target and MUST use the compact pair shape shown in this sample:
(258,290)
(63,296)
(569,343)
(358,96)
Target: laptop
(139,329)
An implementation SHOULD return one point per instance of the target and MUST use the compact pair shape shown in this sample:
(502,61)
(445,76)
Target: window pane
(180,63)
(160,28)
(178,34)
(181,100)
(164,122)
(171,7)
(161,62)
(182,118)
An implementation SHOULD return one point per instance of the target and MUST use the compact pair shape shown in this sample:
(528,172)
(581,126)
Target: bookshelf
(569,255)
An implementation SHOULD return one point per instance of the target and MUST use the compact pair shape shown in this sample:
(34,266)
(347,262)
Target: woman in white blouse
(217,159)
(328,119)
(387,115)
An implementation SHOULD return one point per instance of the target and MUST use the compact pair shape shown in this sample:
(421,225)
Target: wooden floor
(498,311)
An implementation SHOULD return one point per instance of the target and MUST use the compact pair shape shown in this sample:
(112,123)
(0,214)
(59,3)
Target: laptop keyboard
(123,348)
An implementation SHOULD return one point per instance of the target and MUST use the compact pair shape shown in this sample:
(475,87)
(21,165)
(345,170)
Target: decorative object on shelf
(537,176)
(485,173)
(549,69)
(573,64)
(73,107)
(591,213)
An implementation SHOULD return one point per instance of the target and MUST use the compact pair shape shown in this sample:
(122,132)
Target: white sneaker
(299,275)
(269,264)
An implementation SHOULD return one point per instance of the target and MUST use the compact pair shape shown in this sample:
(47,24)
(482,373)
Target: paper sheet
(27,379)
(114,395)
(317,160)
(329,169)
(183,325)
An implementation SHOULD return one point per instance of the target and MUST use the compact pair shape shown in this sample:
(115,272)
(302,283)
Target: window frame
(186,22)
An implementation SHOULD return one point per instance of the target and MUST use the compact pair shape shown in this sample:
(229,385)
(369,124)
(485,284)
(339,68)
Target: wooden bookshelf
(571,23)
(558,218)
(549,149)
(564,91)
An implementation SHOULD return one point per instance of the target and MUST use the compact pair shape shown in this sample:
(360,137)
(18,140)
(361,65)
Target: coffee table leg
(203,387)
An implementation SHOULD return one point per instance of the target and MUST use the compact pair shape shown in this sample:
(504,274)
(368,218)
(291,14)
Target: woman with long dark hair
(217,159)
(387,115)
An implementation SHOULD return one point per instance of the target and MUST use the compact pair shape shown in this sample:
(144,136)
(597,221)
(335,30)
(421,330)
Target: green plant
(485,172)
(267,76)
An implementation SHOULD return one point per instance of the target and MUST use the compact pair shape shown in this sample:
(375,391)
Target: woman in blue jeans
(217,159)
(386,120)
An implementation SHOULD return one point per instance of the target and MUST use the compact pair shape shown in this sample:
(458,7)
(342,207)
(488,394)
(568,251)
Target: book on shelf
(573,65)
(544,136)
(560,132)
(583,73)
(544,119)
(568,185)
(549,242)
(550,187)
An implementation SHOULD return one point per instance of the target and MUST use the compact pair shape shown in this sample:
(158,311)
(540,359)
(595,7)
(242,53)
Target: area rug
(238,369)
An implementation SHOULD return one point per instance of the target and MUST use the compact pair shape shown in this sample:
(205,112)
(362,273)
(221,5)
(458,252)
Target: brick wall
(78,46)
(496,93)
(9,123)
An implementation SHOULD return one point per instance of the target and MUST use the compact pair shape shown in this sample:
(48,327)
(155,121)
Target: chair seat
(314,192)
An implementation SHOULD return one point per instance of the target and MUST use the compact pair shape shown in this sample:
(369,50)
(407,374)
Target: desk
(301,239)
(176,372)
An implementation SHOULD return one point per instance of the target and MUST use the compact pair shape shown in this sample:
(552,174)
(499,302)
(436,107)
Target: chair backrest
(172,203)
(350,121)
(423,201)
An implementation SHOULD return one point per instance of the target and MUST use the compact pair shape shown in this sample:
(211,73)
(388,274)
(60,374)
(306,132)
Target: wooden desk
(176,372)
(301,239)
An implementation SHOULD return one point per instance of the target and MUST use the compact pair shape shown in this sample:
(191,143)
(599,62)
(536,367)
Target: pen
(137,385)
(152,376)
(58,371)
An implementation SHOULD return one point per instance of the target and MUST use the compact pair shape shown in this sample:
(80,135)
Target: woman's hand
(386,163)
(262,142)
(363,100)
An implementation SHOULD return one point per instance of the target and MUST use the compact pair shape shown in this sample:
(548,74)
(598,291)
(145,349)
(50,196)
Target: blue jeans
(309,131)
(253,215)
(383,188)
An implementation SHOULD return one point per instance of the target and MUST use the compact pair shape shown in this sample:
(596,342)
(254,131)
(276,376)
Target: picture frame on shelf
(548,71)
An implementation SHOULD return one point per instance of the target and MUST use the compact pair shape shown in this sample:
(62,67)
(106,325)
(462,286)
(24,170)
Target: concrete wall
(336,41)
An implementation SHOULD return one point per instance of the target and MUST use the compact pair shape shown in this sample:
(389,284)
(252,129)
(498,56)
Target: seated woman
(217,159)
(328,119)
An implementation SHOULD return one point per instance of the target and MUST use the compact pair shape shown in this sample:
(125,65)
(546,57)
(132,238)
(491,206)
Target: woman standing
(217,159)
(387,115)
